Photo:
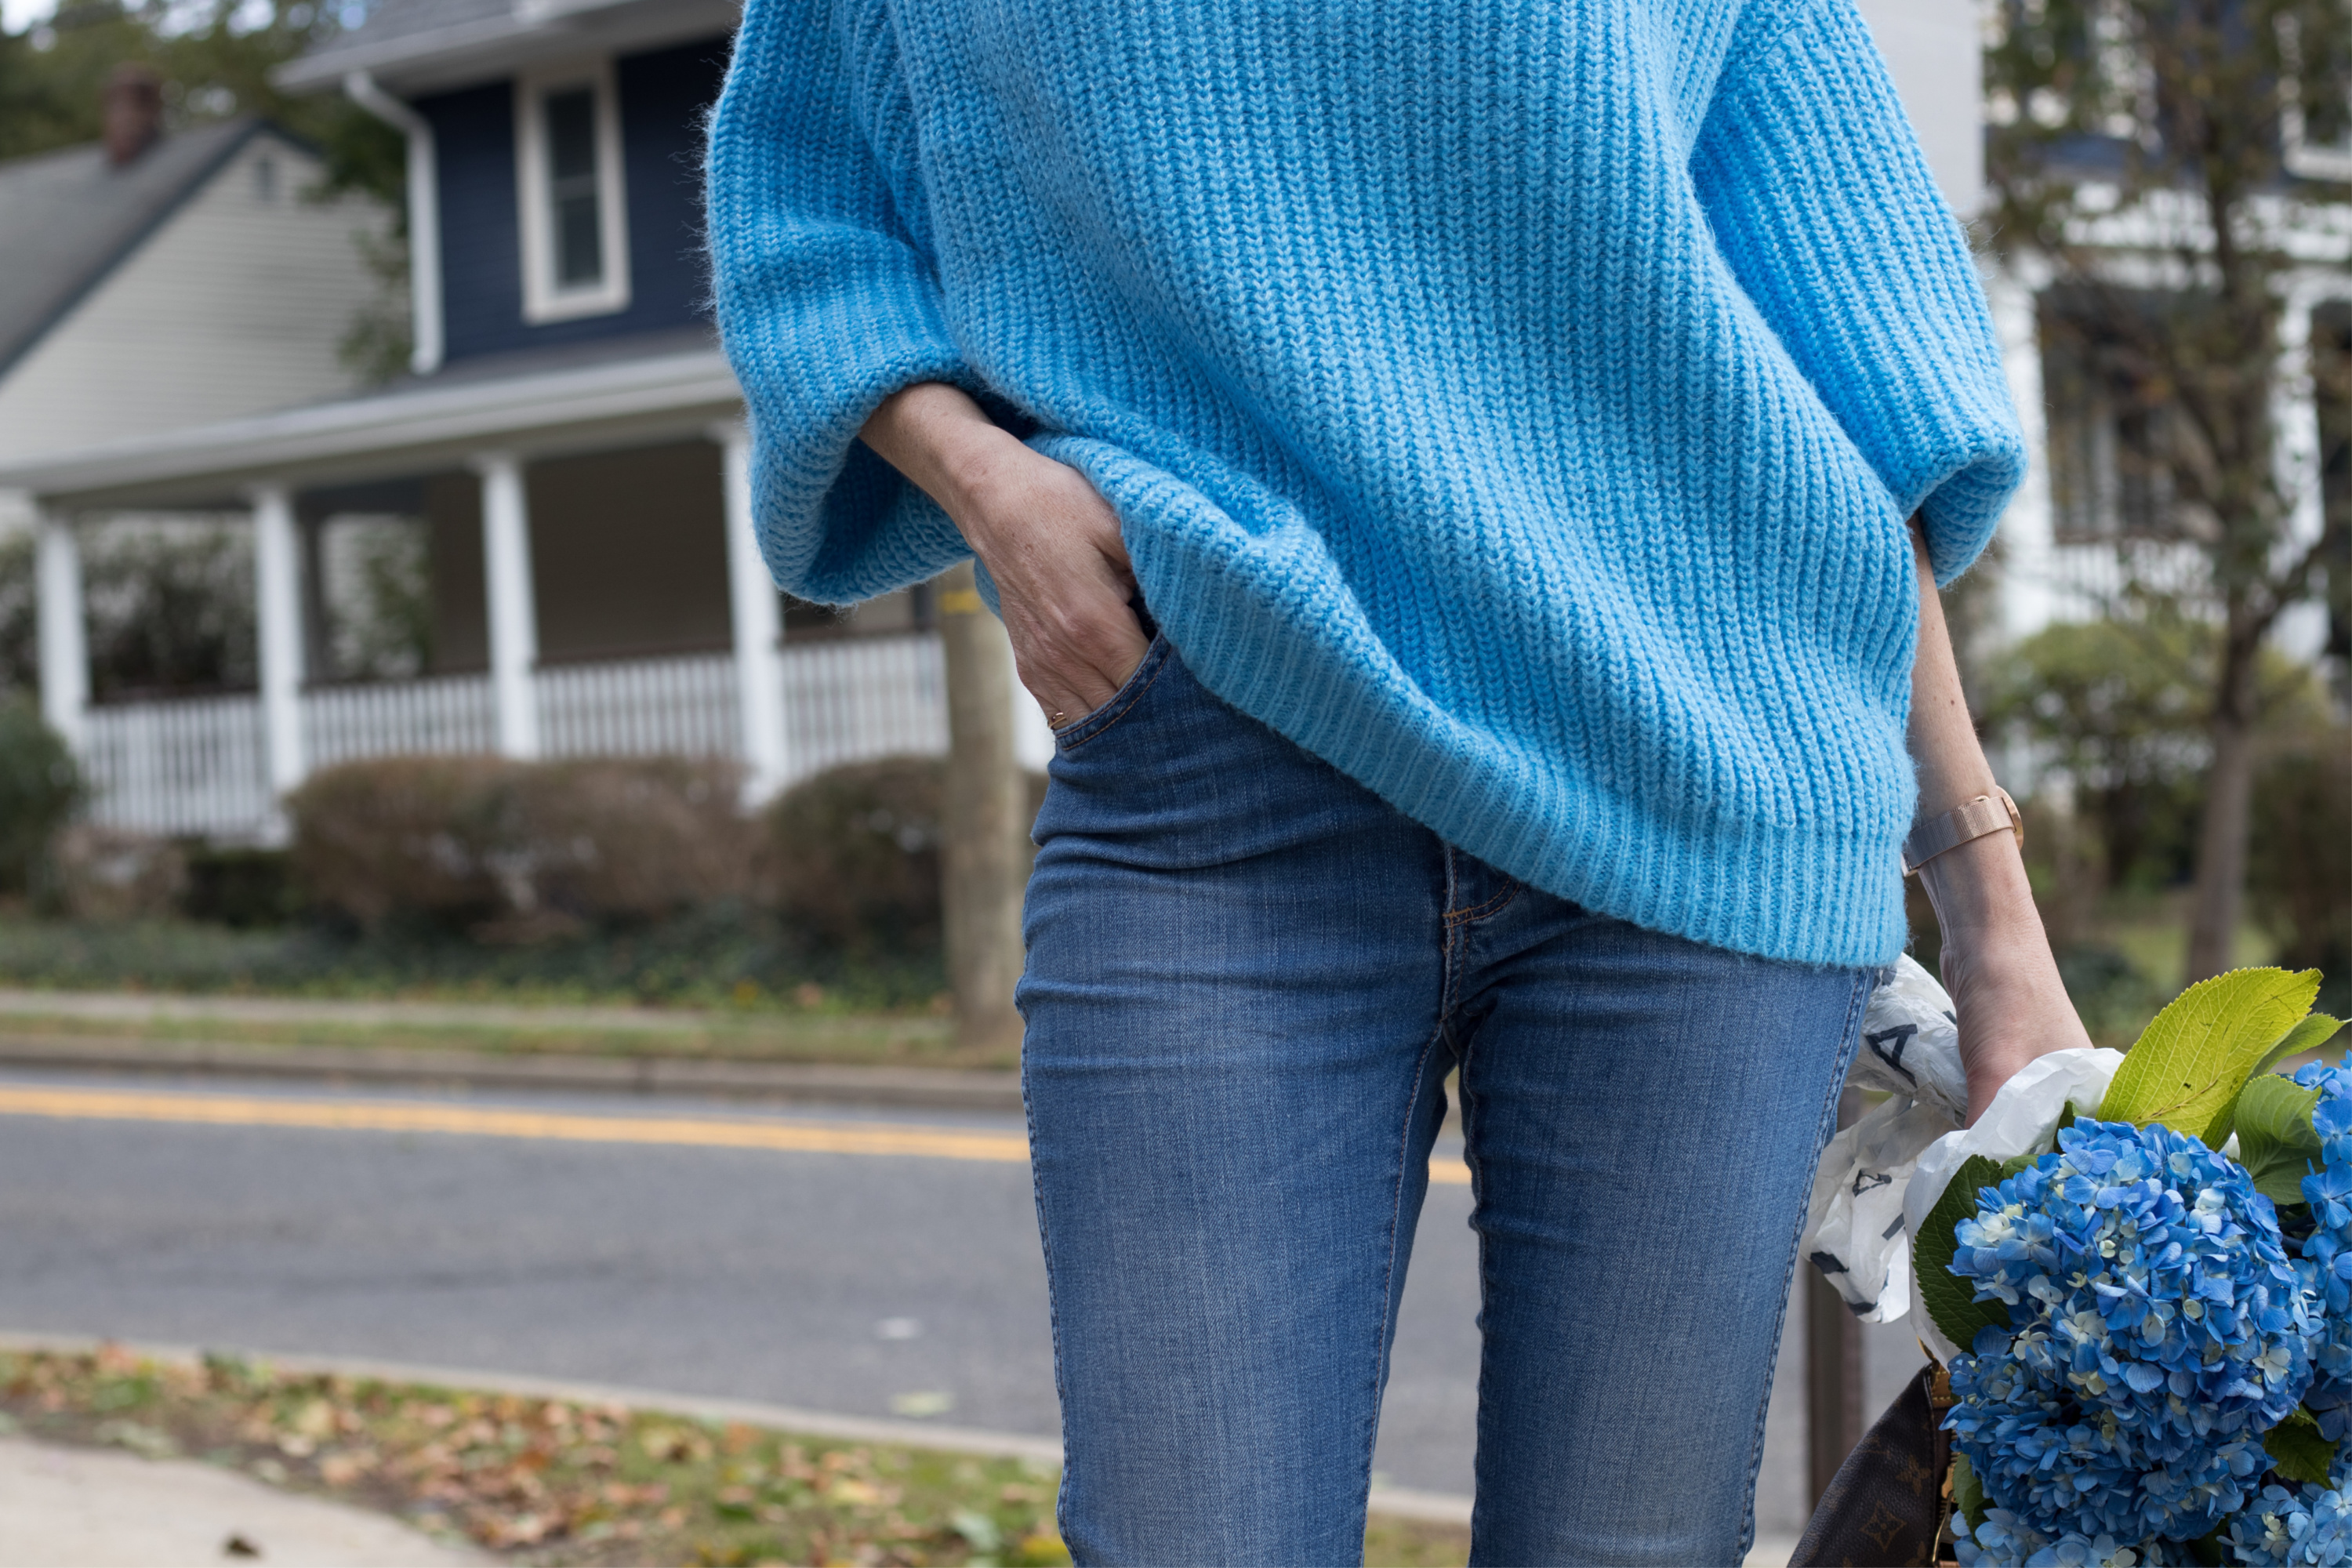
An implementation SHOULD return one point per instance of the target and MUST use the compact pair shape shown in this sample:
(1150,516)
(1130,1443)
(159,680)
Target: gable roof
(425,45)
(68,218)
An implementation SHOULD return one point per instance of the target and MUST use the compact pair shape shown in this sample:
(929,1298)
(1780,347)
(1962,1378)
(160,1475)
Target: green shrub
(853,855)
(2299,879)
(39,789)
(519,851)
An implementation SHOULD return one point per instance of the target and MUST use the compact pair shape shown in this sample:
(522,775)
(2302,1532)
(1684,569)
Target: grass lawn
(710,984)
(543,1481)
(715,957)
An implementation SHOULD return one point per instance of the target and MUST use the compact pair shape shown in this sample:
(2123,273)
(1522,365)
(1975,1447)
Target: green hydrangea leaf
(2189,1063)
(2305,1038)
(2297,1451)
(1951,1300)
(1968,1493)
(2277,1142)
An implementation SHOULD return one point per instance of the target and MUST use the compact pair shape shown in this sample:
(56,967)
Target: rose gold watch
(1970,819)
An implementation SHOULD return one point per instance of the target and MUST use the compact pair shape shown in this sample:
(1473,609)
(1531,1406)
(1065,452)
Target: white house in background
(567,458)
(152,282)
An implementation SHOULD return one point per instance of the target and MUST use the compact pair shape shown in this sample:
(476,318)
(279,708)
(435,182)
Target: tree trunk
(2228,821)
(982,869)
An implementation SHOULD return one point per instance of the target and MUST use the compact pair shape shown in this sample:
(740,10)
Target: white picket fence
(196,765)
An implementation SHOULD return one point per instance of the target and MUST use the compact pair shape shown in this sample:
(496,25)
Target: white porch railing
(197,765)
(386,718)
(652,707)
(189,766)
(859,698)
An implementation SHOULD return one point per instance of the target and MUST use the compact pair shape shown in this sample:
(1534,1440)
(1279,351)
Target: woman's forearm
(1996,960)
(1978,889)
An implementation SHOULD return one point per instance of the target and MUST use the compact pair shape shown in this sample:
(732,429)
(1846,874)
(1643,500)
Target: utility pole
(983,867)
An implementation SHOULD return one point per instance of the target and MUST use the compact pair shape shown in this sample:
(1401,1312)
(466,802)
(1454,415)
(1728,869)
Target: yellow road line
(678,1131)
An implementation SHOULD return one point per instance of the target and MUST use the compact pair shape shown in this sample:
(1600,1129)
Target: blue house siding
(663,96)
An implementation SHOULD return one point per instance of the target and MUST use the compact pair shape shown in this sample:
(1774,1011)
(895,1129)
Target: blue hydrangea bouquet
(2148,1260)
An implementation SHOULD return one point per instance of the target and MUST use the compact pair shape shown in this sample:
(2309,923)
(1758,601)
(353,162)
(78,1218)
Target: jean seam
(1463,1049)
(1824,1126)
(1396,1208)
(1053,1307)
(1104,717)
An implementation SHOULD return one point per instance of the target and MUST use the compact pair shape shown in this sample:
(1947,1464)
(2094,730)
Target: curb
(1395,1502)
(932,1087)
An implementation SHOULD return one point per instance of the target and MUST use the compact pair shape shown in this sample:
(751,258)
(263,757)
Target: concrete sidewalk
(85,1508)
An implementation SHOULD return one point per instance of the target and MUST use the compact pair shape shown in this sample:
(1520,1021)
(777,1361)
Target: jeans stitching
(1462,1052)
(1396,1208)
(1052,1304)
(1491,907)
(1824,1127)
(1111,712)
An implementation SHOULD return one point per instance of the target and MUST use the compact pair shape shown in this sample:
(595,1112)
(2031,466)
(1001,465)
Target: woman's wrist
(942,441)
(1981,894)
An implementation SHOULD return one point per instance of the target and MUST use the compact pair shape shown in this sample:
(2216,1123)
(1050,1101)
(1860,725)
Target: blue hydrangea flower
(2326,1264)
(2158,1327)
(2003,1541)
(2305,1524)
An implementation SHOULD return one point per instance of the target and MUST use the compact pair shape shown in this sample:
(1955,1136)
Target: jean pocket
(1085,728)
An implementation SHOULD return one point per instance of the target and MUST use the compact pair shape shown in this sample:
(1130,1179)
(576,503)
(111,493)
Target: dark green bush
(39,788)
(243,888)
(519,851)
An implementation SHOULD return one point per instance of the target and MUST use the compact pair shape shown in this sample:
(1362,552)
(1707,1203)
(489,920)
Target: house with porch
(565,461)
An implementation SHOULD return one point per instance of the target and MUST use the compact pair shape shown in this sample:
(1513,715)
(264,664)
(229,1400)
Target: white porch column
(64,633)
(759,628)
(514,618)
(278,610)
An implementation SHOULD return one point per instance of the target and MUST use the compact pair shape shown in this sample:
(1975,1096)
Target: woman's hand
(1995,960)
(1050,541)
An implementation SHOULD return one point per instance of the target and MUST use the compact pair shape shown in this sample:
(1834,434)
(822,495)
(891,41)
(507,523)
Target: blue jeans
(1247,980)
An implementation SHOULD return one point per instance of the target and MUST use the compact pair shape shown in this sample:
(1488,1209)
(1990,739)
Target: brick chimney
(135,112)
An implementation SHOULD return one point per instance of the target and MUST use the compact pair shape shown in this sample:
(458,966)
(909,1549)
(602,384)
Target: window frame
(544,298)
(2311,160)
(2107,481)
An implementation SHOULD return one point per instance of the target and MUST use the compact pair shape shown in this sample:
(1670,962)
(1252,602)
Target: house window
(575,258)
(2112,433)
(2316,94)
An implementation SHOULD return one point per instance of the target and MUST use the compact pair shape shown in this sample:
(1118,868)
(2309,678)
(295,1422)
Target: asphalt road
(905,1279)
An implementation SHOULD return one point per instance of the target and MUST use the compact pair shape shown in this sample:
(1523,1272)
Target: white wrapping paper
(1854,1229)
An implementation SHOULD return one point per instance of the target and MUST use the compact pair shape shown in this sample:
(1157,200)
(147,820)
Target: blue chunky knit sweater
(1515,403)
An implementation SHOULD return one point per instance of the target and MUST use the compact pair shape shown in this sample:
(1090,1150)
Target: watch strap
(1968,820)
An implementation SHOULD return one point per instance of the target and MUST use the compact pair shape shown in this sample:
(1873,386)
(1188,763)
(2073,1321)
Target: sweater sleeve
(1825,209)
(827,300)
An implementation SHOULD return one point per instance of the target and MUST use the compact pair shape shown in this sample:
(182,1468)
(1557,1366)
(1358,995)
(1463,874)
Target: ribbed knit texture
(1515,403)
